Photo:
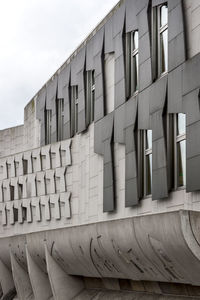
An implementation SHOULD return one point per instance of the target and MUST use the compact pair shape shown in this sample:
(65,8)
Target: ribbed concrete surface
(112,295)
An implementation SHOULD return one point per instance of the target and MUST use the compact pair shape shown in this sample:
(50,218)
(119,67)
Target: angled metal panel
(131,18)
(159,156)
(108,39)
(103,145)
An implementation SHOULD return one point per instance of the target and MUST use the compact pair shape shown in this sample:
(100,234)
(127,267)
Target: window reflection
(163,15)
(181,123)
(164,51)
(148,162)
(181,168)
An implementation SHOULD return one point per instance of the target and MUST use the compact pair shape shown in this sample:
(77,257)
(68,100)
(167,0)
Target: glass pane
(135,40)
(76,117)
(148,174)
(181,161)
(164,50)
(92,105)
(163,15)
(93,81)
(181,124)
(149,139)
(135,73)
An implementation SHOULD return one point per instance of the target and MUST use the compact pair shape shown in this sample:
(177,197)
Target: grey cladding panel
(119,19)
(119,124)
(63,81)
(90,55)
(109,43)
(141,4)
(98,41)
(51,94)
(175,103)
(40,104)
(131,19)
(103,144)
(77,65)
(192,174)
(177,46)
(191,78)
(144,109)
(81,102)
(158,2)
(158,94)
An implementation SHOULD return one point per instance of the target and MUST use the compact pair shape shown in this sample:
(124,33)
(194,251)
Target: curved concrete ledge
(162,248)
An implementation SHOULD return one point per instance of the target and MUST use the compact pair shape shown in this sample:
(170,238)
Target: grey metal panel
(177,46)
(145,74)
(131,19)
(158,2)
(40,103)
(103,144)
(144,47)
(63,81)
(98,146)
(158,93)
(144,109)
(175,103)
(191,78)
(193,140)
(108,39)
(120,93)
(81,102)
(118,20)
(40,107)
(192,174)
(191,106)
(51,93)
(131,172)
(119,124)
(99,108)
(77,64)
(141,4)
(98,41)
(90,55)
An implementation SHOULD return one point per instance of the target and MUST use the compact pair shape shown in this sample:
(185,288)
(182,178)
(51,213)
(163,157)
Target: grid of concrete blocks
(33,184)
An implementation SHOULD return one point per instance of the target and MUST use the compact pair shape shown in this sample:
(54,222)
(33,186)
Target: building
(100,188)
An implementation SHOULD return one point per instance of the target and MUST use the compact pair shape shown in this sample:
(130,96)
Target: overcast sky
(36,37)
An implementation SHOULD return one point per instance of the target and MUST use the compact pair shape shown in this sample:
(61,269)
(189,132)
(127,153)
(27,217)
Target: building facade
(100,188)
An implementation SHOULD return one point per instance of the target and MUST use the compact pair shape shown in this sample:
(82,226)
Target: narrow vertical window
(60,119)
(180,149)
(132,60)
(74,109)
(160,40)
(147,162)
(48,125)
(90,96)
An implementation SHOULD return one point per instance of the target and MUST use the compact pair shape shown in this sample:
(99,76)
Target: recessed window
(132,59)
(147,162)
(160,40)
(48,125)
(180,149)
(90,96)
(60,119)
(74,109)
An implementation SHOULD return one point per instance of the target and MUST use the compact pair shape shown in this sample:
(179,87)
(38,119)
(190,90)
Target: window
(147,162)
(74,109)
(160,40)
(180,149)
(132,56)
(48,120)
(109,68)
(60,119)
(90,96)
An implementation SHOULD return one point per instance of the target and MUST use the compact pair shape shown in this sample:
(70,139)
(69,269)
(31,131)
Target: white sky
(36,37)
